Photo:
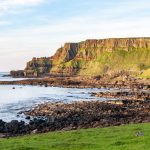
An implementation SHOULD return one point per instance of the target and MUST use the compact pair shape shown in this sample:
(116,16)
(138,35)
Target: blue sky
(37,28)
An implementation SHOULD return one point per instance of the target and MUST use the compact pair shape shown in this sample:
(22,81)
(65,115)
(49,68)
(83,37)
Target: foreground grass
(112,138)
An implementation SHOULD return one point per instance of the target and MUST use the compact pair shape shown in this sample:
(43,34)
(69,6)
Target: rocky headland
(92,63)
(93,57)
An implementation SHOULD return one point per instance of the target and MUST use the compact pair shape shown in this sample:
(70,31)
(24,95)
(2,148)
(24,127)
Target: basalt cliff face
(92,57)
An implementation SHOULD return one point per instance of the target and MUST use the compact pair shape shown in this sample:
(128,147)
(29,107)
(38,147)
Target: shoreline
(132,106)
(82,82)
(77,115)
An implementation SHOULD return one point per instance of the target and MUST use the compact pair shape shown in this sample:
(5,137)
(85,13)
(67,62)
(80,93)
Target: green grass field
(112,138)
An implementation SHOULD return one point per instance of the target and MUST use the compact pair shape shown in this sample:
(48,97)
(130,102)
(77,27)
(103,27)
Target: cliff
(94,57)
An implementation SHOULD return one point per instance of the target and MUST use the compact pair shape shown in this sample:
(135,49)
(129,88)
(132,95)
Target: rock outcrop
(84,114)
(38,66)
(17,74)
(82,57)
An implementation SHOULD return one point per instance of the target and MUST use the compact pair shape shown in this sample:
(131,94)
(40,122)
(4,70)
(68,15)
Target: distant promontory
(93,57)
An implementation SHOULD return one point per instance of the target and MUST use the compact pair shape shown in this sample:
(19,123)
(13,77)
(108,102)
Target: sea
(17,98)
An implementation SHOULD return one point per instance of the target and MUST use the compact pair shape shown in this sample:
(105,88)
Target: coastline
(131,105)
(81,82)
(64,117)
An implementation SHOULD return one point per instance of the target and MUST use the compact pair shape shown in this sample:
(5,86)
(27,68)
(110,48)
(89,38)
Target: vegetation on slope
(129,137)
(135,61)
(145,73)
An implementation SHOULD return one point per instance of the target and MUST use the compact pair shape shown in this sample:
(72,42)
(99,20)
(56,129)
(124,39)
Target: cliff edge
(93,57)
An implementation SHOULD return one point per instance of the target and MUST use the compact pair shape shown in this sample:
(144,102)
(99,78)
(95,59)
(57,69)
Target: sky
(37,28)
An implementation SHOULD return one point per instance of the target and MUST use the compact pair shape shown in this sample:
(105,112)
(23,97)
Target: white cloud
(23,2)
(9,3)
(49,37)
(12,5)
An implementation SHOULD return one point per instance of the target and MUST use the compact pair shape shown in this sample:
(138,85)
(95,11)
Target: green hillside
(136,61)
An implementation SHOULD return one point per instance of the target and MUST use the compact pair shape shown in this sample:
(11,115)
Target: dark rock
(2,135)
(28,117)
(17,74)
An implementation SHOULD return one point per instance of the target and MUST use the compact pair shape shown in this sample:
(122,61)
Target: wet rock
(88,114)
(28,117)
(34,131)
(139,133)
(83,114)
(82,82)
(17,74)
(2,135)
(124,95)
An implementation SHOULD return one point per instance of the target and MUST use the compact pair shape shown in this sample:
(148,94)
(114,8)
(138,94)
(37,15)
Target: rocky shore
(132,105)
(85,82)
(77,115)
(140,95)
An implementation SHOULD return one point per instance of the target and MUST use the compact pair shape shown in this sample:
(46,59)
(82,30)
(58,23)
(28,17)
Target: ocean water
(8,78)
(16,98)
